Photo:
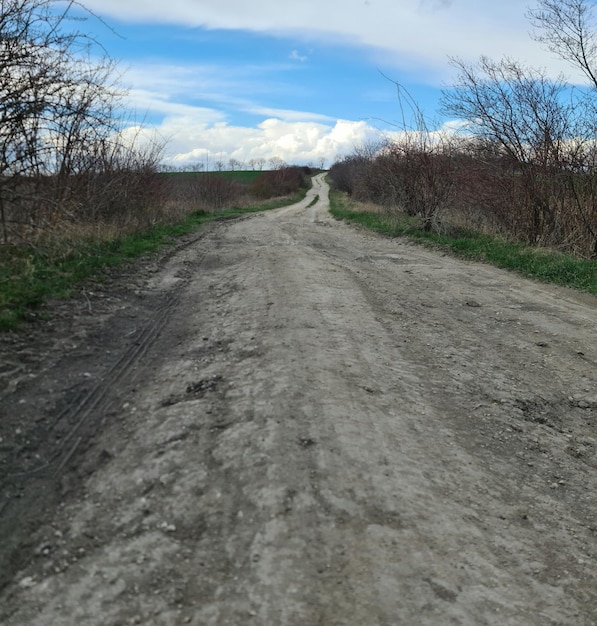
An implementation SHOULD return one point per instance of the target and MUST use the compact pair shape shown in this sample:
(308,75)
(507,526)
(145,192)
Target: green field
(245,177)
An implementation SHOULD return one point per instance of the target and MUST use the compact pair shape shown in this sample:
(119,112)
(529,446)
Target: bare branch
(567,28)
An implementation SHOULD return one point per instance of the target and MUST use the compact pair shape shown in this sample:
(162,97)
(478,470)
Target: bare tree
(568,29)
(545,134)
(60,120)
(277,163)
(520,108)
(523,111)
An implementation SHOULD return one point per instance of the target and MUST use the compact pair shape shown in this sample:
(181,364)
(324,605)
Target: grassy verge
(29,276)
(537,263)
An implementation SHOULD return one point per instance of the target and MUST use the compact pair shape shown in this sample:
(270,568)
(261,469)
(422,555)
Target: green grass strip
(537,263)
(29,277)
(313,202)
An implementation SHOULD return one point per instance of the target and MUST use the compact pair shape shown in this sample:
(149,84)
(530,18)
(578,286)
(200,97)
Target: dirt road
(287,421)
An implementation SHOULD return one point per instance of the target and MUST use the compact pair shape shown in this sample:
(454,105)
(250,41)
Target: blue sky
(298,81)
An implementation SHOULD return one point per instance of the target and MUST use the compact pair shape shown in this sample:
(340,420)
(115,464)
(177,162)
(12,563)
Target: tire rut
(29,490)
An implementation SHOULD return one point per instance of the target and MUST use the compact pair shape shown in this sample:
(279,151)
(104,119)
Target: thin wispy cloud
(295,56)
(435,5)
(425,31)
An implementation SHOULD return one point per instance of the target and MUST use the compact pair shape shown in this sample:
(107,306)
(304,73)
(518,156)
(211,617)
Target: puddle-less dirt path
(287,421)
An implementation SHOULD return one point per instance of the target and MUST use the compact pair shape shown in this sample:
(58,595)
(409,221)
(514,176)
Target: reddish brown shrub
(281,182)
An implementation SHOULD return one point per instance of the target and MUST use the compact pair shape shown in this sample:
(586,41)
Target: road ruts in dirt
(329,428)
(67,373)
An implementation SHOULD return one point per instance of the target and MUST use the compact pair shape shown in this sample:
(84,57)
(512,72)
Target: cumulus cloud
(193,141)
(204,134)
(299,143)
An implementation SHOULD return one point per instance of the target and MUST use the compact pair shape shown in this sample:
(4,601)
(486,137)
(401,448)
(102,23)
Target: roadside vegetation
(81,185)
(539,263)
(517,183)
(31,274)
(212,191)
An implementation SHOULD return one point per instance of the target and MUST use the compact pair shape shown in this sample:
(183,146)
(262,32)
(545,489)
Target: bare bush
(540,138)
(200,191)
(63,155)
(279,182)
(113,182)
(411,174)
(348,173)
(417,171)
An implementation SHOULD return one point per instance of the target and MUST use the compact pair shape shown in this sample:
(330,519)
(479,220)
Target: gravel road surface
(289,421)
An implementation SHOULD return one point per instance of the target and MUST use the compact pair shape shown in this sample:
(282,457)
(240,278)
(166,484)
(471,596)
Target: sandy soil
(287,421)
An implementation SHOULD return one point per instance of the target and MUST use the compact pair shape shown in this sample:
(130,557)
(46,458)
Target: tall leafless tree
(520,108)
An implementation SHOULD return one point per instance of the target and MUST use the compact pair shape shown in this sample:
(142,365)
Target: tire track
(28,494)
(98,399)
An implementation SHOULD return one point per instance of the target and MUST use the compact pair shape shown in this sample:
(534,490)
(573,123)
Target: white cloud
(300,143)
(193,141)
(192,131)
(161,89)
(143,101)
(413,35)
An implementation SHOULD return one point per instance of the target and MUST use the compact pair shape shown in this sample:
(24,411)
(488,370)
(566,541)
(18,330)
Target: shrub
(280,182)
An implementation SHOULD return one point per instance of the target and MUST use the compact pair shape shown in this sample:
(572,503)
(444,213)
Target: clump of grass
(314,201)
(541,264)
